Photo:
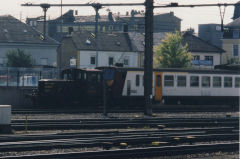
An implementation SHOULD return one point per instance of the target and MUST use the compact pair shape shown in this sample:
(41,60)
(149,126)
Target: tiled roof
(14,31)
(138,39)
(234,24)
(106,41)
(195,44)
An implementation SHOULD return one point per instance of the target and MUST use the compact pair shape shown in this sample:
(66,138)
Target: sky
(191,17)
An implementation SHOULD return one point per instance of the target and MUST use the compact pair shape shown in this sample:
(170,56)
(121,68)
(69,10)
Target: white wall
(84,58)
(36,51)
(216,59)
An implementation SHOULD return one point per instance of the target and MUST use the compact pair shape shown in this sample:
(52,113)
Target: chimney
(236,13)
(110,16)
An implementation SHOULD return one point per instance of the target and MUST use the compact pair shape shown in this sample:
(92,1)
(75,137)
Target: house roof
(234,24)
(106,41)
(138,39)
(196,44)
(14,31)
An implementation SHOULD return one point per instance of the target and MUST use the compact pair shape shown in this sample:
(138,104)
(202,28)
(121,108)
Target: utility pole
(96,6)
(148,57)
(45,7)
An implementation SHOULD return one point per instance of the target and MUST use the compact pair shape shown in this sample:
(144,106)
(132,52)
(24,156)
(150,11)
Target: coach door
(158,86)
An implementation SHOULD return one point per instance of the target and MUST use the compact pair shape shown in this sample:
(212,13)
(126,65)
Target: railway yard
(62,134)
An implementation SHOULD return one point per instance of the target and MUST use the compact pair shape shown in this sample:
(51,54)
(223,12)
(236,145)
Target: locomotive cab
(77,87)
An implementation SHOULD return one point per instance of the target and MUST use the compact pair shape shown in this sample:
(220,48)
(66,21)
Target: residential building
(134,22)
(211,33)
(79,50)
(231,42)
(205,55)
(16,35)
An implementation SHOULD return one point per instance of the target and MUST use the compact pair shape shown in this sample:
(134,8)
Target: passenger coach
(176,86)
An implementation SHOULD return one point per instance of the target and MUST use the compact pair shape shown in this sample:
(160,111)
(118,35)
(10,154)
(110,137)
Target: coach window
(194,81)
(227,81)
(237,82)
(217,82)
(181,81)
(169,80)
(137,80)
(205,81)
(143,80)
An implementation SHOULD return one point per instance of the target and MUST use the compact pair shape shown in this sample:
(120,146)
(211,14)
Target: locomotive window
(205,81)
(237,82)
(217,82)
(181,81)
(169,80)
(65,76)
(194,81)
(227,81)
(158,81)
(85,75)
(79,76)
(137,80)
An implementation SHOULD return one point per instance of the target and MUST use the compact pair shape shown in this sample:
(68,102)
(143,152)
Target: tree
(171,53)
(18,58)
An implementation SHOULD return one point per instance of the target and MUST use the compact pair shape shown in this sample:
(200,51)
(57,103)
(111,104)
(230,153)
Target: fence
(26,76)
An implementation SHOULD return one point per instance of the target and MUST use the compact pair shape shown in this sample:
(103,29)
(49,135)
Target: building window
(235,50)
(205,81)
(3,61)
(237,82)
(110,27)
(235,34)
(227,81)
(110,61)
(44,61)
(169,80)
(209,58)
(181,81)
(137,80)
(92,60)
(194,81)
(126,62)
(217,82)
(196,57)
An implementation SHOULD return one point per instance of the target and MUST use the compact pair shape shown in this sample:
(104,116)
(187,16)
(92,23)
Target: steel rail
(84,5)
(140,152)
(115,141)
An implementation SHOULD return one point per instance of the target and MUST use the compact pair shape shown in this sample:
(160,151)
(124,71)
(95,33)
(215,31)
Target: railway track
(174,136)
(156,109)
(123,123)
(141,152)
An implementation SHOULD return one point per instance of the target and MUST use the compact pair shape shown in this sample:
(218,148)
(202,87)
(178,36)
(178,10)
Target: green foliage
(18,58)
(171,54)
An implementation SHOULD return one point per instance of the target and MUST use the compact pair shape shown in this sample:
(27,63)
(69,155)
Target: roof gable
(106,41)
(195,44)
(14,31)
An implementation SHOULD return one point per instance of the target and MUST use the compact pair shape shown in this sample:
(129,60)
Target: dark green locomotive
(76,87)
